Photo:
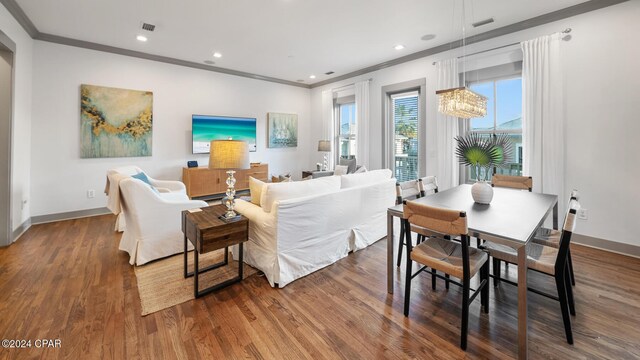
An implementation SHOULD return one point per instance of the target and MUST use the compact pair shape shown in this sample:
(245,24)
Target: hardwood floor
(68,281)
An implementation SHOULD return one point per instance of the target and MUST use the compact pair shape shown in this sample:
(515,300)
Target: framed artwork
(115,122)
(283,130)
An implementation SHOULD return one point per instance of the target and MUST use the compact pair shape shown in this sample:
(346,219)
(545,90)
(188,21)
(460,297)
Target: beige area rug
(161,284)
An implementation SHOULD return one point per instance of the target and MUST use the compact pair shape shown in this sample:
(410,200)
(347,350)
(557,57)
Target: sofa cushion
(290,190)
(365,178)
(255,188)
(351,163)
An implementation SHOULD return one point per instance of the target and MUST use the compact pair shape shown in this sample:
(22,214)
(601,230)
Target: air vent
(482,22)
(148,27)
(328,73)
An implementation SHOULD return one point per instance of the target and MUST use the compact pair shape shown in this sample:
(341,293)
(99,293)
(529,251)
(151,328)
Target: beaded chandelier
(462,103)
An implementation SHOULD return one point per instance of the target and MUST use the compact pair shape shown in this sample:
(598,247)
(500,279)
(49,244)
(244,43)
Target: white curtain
(328,125)
(447,127)
(543,116)
(362,119)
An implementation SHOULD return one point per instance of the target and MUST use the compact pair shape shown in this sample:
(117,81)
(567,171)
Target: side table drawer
(230,234)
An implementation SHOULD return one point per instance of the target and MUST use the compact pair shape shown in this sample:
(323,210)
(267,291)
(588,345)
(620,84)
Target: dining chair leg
(465,314)
(573,279)
(564,306)
(484,276)
(446,282)
(400,243)
(407,287)
(567,281)
(433,278)
(496,272)
(407,275)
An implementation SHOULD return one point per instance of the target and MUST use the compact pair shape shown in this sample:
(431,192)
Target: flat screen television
(205,128)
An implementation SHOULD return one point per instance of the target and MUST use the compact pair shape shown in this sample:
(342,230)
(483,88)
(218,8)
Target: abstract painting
(283,130)
(115,122)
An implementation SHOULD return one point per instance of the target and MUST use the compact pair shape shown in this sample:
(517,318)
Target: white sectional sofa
(300,227)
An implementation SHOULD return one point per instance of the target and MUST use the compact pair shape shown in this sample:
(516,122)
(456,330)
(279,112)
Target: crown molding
(22,18)
(519,26)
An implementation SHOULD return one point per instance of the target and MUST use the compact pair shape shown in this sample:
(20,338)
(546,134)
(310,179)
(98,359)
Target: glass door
(405,115)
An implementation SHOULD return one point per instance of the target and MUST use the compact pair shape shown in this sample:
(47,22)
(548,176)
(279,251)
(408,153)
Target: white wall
(60,178)
(602,106)
(21,150)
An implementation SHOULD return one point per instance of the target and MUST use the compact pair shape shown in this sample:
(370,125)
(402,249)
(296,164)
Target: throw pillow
(143,177)
(351,163)
(255,188)
(361,169)
(341,170)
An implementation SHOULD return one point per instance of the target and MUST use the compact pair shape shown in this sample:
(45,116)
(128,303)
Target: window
(405,144)
(504,116)
(347,129)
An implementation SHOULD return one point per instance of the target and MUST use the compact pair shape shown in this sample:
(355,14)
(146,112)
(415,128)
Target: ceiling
(284,39)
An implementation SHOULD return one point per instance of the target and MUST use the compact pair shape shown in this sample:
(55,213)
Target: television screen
(206,128)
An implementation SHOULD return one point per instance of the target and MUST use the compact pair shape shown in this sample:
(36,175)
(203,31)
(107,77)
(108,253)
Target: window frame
(337,104)
(514,74)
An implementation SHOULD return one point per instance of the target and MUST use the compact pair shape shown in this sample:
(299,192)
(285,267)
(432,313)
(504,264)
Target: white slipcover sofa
(153,221)
(301,227)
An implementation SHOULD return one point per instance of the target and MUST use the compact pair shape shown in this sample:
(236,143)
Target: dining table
(512,218)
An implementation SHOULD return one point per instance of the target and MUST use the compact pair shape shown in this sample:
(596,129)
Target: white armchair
(169,189)
(153,221)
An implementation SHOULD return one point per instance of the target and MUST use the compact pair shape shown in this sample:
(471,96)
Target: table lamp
(230,155)
(324,146)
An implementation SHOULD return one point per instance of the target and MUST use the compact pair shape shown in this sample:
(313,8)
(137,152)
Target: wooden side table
(207,231)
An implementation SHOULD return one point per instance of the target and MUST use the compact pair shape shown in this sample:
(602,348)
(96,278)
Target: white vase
(482,192)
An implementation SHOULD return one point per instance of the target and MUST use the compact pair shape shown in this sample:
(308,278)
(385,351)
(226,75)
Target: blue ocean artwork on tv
(206,128)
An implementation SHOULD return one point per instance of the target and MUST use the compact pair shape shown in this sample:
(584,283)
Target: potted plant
(483,153)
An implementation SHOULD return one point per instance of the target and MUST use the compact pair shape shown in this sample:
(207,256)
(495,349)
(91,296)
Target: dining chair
(428,185)
(406,190)
(551,237)
(453,258)
(546,260)
(513,182)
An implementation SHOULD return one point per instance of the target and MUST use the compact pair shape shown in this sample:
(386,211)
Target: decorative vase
(482,192)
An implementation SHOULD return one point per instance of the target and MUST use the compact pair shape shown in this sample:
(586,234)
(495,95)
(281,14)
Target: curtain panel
(447,127)
(543,120)
(362,121)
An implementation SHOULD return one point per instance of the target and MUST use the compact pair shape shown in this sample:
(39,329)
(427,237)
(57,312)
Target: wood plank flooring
(68,281)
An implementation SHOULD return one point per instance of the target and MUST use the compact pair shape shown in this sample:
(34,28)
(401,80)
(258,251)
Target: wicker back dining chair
(547,260)
(439,253)
(428,185)
(551,237)
(513,182)
(406,190)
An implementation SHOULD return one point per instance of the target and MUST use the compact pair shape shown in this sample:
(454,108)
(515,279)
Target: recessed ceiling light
(209,62)
(428,37)
(217,55)
(312,76)
(141,38)
(399,47)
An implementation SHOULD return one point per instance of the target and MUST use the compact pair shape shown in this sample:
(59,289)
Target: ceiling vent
(148,27)
(328,73)
(482,22)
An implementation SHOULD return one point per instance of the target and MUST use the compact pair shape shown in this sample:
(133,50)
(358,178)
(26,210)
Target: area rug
(161,284)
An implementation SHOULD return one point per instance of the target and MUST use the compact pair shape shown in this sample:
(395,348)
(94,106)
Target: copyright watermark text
(28,343)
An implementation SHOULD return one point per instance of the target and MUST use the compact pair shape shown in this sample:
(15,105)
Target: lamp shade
(228,154)
(324,145)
